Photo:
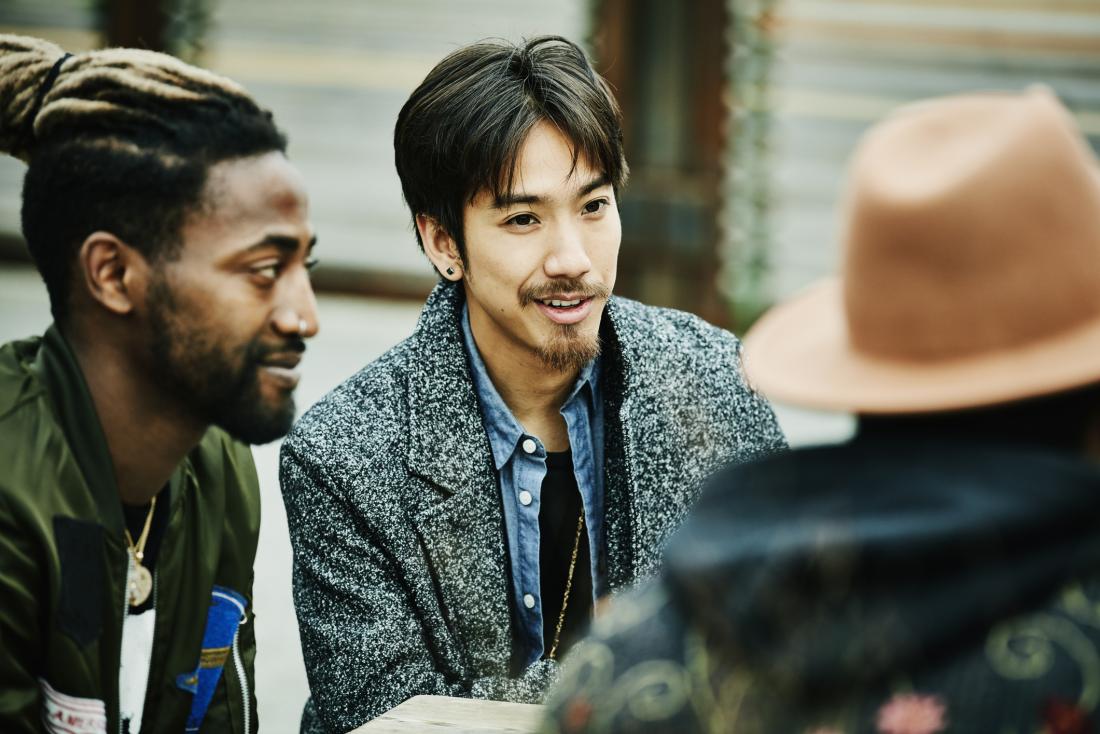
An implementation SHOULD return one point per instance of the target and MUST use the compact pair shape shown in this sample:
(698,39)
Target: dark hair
(121,142)
(461,130)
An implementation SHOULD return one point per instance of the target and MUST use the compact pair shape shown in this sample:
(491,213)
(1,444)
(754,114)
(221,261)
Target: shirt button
(528,601)
(525,498)
(529,446)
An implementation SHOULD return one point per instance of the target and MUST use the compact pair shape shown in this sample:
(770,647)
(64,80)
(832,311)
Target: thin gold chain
(138,548)
(568,586)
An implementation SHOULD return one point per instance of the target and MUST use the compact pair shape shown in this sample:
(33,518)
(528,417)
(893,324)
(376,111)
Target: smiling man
(460,507)
(172,236)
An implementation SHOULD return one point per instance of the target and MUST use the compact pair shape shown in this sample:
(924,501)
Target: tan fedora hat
(971,271)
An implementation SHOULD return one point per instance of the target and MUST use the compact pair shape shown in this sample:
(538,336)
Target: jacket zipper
(125,613)
(238,665)
(152,646)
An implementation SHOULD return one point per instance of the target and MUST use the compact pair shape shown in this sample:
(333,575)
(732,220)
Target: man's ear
(440,247)
(114,274)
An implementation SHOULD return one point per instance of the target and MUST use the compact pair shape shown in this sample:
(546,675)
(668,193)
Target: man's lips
(565,308)
(282,368)
(564,300)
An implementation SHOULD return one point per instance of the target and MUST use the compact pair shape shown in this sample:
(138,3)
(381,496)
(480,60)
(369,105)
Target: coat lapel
(462,530)
(660,446)
(620,514)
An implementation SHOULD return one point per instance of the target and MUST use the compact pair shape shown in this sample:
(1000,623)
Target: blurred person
(459,505)
(171,234)
(940,571)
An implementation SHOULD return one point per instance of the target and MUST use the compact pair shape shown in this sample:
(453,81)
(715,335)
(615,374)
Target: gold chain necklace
(140,582)
(568,586)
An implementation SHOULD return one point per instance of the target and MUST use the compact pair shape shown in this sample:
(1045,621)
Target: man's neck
(147,434)
(532,391)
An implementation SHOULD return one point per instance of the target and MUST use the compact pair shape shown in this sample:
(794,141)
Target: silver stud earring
(450,271)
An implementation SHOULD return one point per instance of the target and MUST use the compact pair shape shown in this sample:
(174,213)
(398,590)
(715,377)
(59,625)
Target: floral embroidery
(911,713)
(1062,717)
(577,714)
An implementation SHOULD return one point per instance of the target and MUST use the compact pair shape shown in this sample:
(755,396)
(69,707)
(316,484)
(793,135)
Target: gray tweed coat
(400,573)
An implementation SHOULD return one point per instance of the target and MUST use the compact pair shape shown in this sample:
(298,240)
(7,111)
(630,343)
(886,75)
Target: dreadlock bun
(24,65)
(110,91)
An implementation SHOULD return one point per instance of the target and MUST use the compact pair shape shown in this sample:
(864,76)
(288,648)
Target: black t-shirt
(559,510)
(135,523)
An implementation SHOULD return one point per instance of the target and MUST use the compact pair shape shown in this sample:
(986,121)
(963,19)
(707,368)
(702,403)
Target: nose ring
(302,326)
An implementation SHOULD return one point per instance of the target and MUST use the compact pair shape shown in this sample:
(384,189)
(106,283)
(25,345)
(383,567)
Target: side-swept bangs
(461,131)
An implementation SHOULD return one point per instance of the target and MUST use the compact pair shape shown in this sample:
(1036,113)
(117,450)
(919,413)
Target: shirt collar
(505,432)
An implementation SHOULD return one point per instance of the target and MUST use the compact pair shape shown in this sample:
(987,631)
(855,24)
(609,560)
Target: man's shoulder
(665,346)
(690,374)
(649,328)
(17,384)
(360,416)
(28,428)
(642,616)
(643,633)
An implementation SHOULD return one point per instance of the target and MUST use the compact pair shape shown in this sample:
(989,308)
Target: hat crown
(972,226)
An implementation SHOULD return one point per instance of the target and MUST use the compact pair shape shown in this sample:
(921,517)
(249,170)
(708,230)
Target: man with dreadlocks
(172,236)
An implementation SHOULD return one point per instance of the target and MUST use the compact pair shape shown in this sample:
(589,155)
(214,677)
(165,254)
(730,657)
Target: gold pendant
(140,583)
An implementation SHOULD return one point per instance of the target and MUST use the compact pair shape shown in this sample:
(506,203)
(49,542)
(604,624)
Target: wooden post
(136,23)
(667,64)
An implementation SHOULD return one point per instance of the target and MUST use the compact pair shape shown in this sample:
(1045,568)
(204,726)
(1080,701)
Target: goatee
(569,349)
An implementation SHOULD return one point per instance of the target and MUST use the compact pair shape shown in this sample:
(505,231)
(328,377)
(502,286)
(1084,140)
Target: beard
(219,382)
(569,347)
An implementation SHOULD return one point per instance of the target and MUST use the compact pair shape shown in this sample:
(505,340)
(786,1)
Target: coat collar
(446,437)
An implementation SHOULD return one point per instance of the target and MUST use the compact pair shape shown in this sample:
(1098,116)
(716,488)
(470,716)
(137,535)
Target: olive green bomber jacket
(63,561)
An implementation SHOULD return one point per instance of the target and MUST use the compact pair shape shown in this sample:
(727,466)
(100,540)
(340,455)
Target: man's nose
(569,257)
(297,315)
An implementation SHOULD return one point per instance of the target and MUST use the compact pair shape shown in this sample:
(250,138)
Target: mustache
(573,286)
(291,345)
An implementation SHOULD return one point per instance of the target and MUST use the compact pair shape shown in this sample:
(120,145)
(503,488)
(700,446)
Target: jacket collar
(59,371)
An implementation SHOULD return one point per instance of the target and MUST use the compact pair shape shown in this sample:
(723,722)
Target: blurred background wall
(838,65)
(739,113)
(739,117)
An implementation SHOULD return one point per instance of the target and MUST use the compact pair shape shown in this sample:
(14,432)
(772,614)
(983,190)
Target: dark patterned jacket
(903,586)
(400,574)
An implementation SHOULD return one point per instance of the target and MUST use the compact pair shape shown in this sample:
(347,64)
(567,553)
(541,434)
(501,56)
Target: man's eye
(594,206)
(523,220)
(311,263)
(267,272)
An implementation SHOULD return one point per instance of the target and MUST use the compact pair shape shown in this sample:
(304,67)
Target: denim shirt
(520,461)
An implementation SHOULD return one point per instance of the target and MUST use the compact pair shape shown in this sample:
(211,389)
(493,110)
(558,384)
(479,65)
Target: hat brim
(799,353)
